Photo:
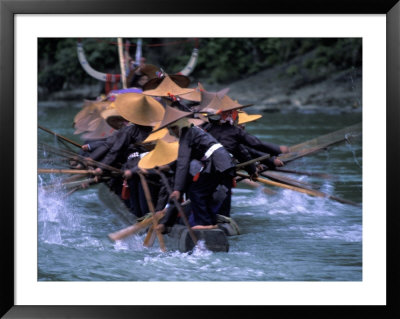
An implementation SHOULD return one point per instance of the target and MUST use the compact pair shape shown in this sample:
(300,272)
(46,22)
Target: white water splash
(338,232)
(134,242)
(353,151)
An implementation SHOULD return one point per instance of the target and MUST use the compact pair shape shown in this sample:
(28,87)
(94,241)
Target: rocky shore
(272,90)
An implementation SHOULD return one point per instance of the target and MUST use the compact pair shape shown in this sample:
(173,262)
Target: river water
(286,236)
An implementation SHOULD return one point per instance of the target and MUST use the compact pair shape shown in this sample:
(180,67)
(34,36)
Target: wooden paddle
(300,189)
(76,156)
(330,138)
(152,210)
(252,184)
(309,147)
(150,237)
(121,234)
(65,171)
(314,174)
(60,136)
(177,205)
(69,184)
(286,180)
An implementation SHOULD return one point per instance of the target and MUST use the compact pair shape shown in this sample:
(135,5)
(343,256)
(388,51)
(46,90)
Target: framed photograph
(44,276)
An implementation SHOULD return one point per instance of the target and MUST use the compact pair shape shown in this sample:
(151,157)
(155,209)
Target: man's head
(175,128)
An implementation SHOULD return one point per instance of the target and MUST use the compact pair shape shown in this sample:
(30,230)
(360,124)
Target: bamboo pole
(60,136)
(121,62)
(65,171)
(151,208)
(178,206)
(121,234)
(300,189)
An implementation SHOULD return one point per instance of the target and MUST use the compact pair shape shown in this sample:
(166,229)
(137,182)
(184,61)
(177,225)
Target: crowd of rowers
(193,136)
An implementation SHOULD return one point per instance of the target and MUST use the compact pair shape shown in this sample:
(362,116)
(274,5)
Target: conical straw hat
(98,129)
(195,95)
(209,105)
(112,117)
(162,154)
(156,135)
(204,97)
(166,88)
(172,115)
(245,118)
(227,104)
(139,109)
(179,79)
(90,112)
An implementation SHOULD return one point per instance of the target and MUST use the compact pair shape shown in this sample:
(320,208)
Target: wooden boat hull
(178,237)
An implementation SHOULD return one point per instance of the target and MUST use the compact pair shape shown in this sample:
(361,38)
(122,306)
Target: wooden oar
(65,171)
(313,174)
(51,160)
(71,191)
(75,156)
(252,184)
(60,136)
(177,205)
(286,180)
(152,210)
(309,147)
(72,178)
(287,157)
(121,234)
(150,237)
(70,184)
(254,160)
(330,138)
(300,189)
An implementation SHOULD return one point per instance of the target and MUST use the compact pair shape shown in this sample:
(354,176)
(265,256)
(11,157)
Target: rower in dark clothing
(143,113)
(202,165)
(242,145)
(236,140)
(162,157)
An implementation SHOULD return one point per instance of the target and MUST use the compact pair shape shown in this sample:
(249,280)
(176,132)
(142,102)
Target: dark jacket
(118,147)
(242,145)
(193,144)
(102,147)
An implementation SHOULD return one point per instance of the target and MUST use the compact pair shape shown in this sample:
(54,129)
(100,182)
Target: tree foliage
(221,60)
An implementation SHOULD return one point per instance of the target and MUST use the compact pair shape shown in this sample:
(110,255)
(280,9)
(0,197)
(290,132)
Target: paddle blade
(121,234)
(150,237)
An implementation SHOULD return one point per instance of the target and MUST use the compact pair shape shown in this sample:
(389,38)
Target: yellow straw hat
(162,154)
(156,135)
(171,115)
(227,104)
(245,118)
(139,109)
(112,117)
(90,111)
(166,88)
(97,129)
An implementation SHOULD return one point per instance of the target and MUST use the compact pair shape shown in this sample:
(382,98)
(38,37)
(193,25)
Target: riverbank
(287,87)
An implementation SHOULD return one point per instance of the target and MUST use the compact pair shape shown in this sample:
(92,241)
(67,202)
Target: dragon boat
(178,236)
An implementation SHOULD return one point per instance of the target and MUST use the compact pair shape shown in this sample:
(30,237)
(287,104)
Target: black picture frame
(8,10)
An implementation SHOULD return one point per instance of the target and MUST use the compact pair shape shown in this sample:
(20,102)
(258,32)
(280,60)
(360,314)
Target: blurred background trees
(221,60)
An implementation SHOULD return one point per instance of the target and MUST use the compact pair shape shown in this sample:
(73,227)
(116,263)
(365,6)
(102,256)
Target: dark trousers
(204,205)
(137,199)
